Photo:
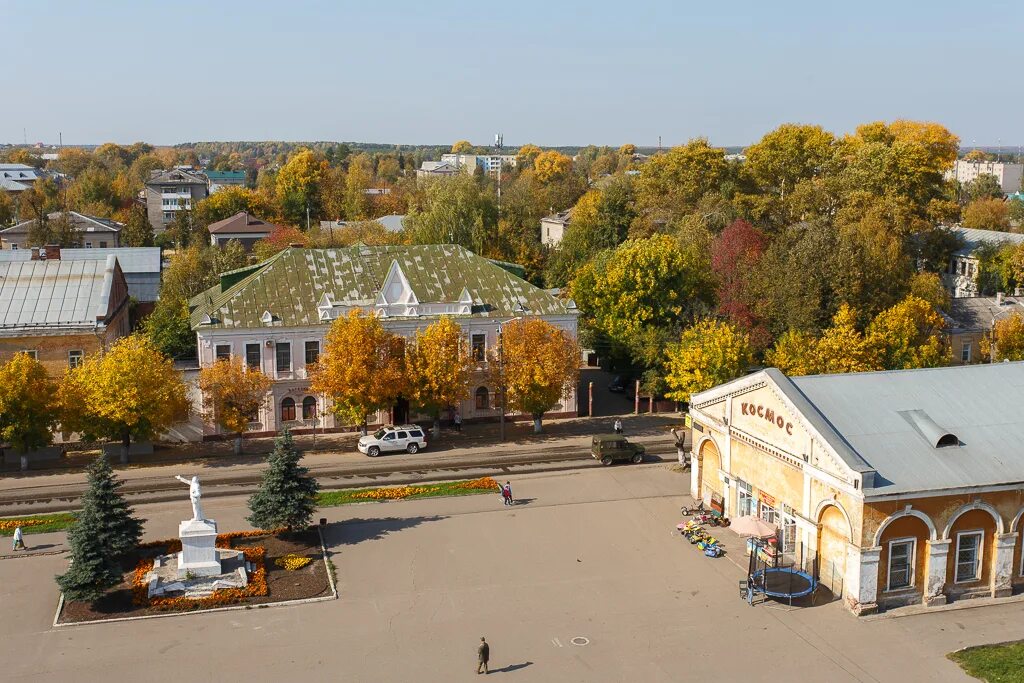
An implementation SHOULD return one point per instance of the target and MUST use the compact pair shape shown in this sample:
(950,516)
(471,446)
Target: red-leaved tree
(734,254)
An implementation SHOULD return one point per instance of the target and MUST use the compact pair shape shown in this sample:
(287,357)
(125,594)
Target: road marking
(556,642)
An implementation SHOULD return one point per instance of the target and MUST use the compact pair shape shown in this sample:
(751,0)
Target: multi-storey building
(274,316)
(468,163)
(553,227)
(1009,175)
(168,192)
(961,275)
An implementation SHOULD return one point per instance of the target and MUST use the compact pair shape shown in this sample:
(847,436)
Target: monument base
(198,555)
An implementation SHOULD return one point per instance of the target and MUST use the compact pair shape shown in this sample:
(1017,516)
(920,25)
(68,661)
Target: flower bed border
(238,534)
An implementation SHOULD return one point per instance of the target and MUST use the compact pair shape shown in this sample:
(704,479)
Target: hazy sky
(551,72)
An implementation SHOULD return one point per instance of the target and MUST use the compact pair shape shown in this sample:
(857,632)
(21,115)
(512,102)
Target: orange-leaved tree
(438,363)
(130,392)
(362,368)
(232,394)
(538,367)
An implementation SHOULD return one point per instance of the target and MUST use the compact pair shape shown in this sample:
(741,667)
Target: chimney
(35,253)
(52,252)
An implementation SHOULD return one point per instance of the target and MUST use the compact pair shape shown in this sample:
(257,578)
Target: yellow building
(898,487)
(59,311)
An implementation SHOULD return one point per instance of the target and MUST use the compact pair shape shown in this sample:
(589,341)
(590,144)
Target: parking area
(584,579)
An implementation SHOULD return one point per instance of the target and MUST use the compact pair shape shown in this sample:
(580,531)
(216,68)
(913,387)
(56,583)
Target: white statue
(195,494)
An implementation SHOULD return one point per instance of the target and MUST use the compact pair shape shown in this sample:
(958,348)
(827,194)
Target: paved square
(587,555)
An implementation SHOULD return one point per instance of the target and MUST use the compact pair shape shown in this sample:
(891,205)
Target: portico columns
(862,578)
(935,578)
(1002,566)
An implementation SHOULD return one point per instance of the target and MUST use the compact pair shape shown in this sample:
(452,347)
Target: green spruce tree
(104,532)
(287,496)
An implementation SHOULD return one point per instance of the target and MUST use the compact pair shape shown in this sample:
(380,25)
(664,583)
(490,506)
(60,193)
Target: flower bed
(37,524)
(444,488)
(292,562)
(268,583)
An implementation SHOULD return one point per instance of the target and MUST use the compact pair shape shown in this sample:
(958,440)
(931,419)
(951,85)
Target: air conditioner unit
(269,343)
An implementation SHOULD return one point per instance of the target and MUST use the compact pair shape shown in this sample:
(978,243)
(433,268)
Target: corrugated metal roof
(54,293)
(979,312)
(974,238)
(980,404)
(292,283)
(131,259)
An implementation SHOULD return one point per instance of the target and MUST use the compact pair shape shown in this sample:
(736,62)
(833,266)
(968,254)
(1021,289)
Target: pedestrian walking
(483,655)
(19,542)
(458,421)
(618,426)
(506,493)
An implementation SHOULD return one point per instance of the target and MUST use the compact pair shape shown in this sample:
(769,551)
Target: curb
(327,563)
(39,554)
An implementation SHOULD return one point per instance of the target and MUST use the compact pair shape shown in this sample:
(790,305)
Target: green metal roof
(291,284)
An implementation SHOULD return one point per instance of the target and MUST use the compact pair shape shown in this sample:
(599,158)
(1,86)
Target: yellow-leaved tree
(462,147)
(708,353)
(537,366)
(362,367)
(437,366)
(130,392)
(28,411)
(843,348)
(794,354)
(909,335)
(551,165)
(1006,341)
(232,395)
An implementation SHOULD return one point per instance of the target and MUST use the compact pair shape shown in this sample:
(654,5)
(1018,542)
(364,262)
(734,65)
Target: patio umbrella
(748,525)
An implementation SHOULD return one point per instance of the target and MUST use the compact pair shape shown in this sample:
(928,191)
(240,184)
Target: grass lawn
(444,488)
(37,524)
(993,663)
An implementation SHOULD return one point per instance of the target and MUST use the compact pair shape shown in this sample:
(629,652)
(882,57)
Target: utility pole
(501,388)
(499,141)
(307,216)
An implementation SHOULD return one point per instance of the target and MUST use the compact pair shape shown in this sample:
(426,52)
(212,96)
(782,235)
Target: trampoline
(785,583)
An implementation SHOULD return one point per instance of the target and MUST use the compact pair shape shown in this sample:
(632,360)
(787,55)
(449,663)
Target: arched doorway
(707,474)
(972,551)
(833,539)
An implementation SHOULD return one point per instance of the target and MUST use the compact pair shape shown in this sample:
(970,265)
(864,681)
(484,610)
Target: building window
(901,564)
(288,410)
(74,359)
(284,357)
(103,245)
(31,353)
(253,356)
(88,245)
(788,530)
(482,398)
(312,352)
(223,351)
(968,556)
(745,504)
(479,347)
(14,247)
(768,513)
(168,215)
(965,352)
(309,408)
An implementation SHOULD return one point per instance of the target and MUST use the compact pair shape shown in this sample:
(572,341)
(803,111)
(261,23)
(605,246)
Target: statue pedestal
(198,554)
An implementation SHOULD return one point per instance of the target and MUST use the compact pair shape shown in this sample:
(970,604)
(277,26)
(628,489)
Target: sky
(558,72)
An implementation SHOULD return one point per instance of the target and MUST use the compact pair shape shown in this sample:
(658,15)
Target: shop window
(253,356)
(901,564)
(788,530)
(309,408)
(745,503)
(968,556)
(768,513)
(223,351)
(479,347)
(482,398)
(288,410)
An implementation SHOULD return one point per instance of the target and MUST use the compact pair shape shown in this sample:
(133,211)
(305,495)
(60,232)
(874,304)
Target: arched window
(287,409)
(309,408)
(482,402)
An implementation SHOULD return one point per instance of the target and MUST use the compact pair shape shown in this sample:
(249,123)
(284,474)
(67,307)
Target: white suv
(402,438)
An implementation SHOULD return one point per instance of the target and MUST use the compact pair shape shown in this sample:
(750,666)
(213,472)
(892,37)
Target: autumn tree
(137,231)
(105,530)
(929,287)
(298,185)
(453,211)
(527,154)
(131,392)
(909,335)
(708,353)
(462,147)
(681,176)
(789,154)
(1006,341)
(538,367)
(229,201)
(437,364)
(232,395)
(551,165)
(362,367)
(843,348)
(987,214)
(985,186)
(734,254)
(28,409)
(794,353)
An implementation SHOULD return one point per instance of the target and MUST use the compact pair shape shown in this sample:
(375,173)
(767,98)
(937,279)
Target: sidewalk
(455,455)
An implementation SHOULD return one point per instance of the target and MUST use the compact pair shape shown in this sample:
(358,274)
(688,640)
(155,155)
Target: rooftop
(55,294)
(81,221)
(176,175)
(241,223)
(978,312)
(973,239)
(131,259)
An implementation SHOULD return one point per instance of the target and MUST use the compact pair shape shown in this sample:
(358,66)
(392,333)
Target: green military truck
(609,448)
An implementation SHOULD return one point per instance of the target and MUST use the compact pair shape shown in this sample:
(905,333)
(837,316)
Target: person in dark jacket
(483,654)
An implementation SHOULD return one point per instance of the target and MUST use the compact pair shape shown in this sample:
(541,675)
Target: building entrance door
(400,411)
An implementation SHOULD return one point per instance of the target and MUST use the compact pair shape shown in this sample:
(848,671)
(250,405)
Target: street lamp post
(501,387)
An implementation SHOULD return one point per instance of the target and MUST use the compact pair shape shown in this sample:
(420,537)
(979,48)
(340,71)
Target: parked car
(609,448)
(409,438)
